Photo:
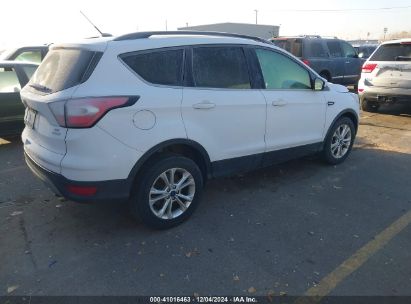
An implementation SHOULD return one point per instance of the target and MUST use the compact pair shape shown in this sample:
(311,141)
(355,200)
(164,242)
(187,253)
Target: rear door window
(220,67)
(334,48)
(63,69)
(392,52)
(9,82)
(159,67)
(316,49)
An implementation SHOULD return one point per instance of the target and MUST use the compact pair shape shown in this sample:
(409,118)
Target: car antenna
(98,30)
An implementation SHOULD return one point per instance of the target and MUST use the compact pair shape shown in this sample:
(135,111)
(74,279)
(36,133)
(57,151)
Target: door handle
(204,105)
(348,62)
(279,103)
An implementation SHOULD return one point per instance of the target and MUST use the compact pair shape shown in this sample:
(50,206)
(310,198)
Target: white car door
(221,110)
(295,112)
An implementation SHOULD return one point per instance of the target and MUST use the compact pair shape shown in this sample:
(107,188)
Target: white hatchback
(148,117)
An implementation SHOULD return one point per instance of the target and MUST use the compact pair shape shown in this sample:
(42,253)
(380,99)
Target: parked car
(364,51)
(116,124)
(386,76)
(334,59)
(13,76)
(34,54)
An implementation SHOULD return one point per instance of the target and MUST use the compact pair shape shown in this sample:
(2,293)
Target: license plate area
(30,118)
(386,99)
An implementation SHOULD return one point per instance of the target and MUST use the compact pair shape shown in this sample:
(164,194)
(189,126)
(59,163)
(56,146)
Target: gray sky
(46,21)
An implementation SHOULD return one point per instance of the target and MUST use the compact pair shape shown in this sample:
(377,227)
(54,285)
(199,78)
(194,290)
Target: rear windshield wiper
(402,58)
(40,87)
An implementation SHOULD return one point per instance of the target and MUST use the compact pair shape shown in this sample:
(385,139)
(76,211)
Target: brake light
(369,67)
(405,42)
(85,112)
(81,190)
(306,62)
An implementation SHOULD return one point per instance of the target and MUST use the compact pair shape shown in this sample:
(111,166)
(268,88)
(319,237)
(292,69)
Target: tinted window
(335,48)
(9,82)
(32,56)
(220,67)
(281,72)
(348,50)
(316,49)
(293,46)
(392,52)
(159,67)
(62,69)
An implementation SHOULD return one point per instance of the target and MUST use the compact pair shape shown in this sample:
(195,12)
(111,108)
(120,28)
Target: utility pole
(166,26)
(256,16)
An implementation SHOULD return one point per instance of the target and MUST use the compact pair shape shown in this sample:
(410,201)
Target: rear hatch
(390,66)
(59,75)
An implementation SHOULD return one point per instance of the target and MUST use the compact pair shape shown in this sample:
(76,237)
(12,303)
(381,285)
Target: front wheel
(167,192)
(339,141)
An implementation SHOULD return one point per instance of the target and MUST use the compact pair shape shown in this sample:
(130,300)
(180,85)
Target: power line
(344,10)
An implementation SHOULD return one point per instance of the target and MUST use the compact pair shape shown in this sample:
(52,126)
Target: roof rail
(141,35)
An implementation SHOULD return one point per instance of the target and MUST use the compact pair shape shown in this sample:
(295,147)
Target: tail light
(86,112)
(369,67)
(306,62)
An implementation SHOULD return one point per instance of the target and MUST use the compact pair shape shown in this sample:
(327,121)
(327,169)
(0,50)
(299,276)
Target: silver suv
(386,76)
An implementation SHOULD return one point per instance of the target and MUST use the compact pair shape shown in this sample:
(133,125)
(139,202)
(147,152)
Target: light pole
(256,16)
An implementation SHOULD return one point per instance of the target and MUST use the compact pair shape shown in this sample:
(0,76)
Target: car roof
(11,63)
(404,40)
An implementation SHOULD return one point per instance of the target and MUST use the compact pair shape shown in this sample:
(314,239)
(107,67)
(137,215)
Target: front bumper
(111,190)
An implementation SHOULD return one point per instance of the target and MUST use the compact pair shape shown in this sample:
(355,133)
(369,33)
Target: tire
(333,143)
(157,215)
(326,75)
(369,106)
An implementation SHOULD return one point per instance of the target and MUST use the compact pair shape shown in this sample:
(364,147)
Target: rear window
(63,69)
(293,46)
(158,67)
(392,52)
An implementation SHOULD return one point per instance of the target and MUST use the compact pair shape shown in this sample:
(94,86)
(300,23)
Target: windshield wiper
(402,58)
(40,87)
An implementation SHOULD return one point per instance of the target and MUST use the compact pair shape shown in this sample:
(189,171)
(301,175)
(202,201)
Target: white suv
(386,76)
(148,117)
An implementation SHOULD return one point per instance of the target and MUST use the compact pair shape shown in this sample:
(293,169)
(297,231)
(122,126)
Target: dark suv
(334,59)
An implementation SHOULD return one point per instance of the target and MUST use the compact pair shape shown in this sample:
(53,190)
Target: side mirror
(319,84)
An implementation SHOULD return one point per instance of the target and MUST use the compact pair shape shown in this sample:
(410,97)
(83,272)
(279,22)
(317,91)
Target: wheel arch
(182,146)
(345,113)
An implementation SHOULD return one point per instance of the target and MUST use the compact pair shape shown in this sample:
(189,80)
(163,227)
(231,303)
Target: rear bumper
(111,190)
(386,95)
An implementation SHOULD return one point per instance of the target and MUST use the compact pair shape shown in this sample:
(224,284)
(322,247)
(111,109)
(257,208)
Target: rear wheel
(339,141)
(369,106)
(326,75)
(167,192)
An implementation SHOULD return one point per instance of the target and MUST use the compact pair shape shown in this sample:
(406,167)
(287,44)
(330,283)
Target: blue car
(334,59)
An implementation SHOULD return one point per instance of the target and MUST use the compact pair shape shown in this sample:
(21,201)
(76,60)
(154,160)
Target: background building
(258,30)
